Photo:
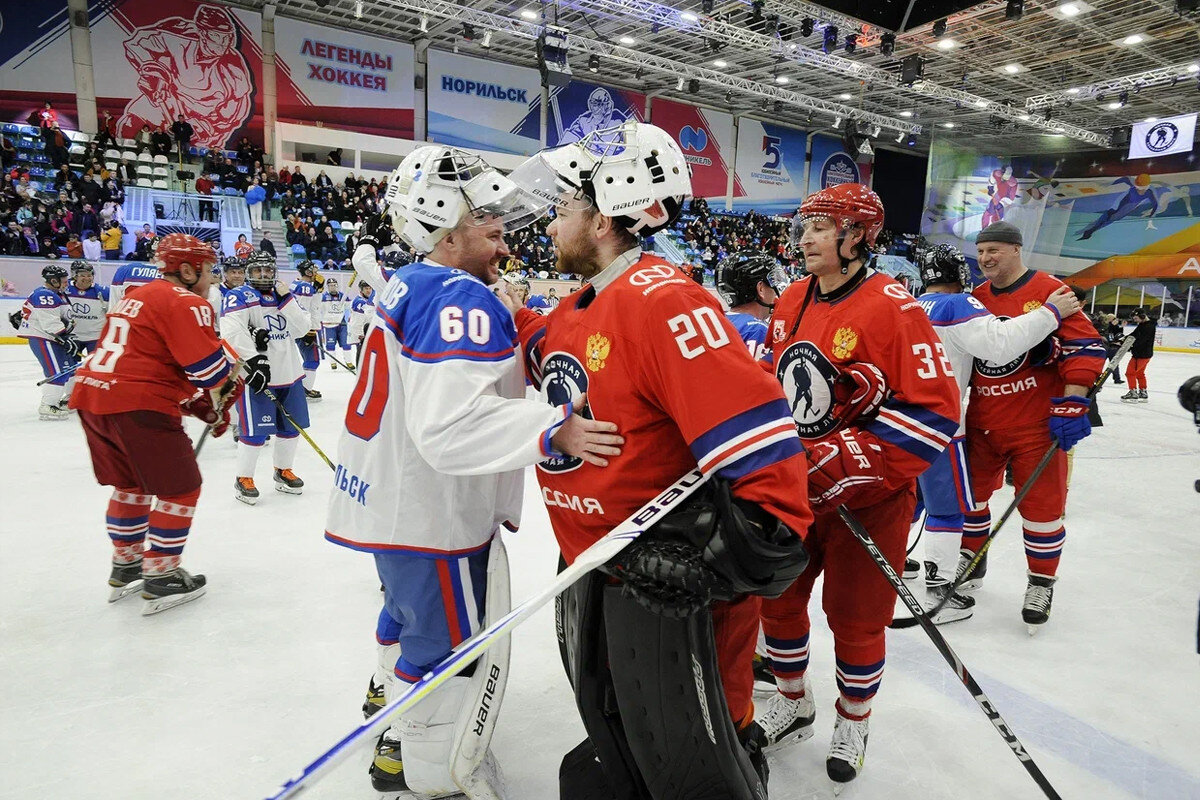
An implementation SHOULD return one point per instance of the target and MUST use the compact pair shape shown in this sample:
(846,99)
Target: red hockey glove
(201,407)
(842,466)
(858,391)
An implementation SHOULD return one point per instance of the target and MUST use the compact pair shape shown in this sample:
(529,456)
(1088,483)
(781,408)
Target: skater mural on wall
(1074,209)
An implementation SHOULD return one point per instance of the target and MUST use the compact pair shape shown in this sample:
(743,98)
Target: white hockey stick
(596,555)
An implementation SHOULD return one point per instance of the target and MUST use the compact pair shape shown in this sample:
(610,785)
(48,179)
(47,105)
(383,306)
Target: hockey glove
(69,344)
(1069,420)
(858,391)
(843,466)
(262,337)
(202,408)
(309,339)
(258,373)
(667,578)
(14,319)
(1046,352)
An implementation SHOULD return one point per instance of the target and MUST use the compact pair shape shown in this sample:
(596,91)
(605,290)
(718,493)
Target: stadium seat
(160,160)
(145,157)
(41,159)
(10,127)
(129,144)
(318,211)
(160,184)
(36,185)
(161,172)
(111,166)
(112,154)
(347,225)
(145,183)
(144,169)
(37,172)
(129,155)
(298,250)
(30,130)
(242,168)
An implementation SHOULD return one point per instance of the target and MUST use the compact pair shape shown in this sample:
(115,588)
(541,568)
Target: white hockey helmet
(436,187)
(633,172)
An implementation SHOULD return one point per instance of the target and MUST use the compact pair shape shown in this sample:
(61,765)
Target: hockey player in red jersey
(874,402)
(158,358)
(1017,409)
(654,354)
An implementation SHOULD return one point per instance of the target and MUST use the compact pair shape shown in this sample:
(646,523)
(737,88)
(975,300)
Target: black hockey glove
(262,337)
(258,373)
(377,232)
(14,319)
(69,344)
(309,339)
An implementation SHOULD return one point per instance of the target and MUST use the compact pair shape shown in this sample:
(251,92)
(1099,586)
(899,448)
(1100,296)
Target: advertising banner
(483,104)
(1163,137)
(706,138)
(153,60)
(832,165)
(770,166)
(344,79)
(579,108)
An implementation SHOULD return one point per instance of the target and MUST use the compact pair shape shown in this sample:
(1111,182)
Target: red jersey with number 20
(1017,394)
(656,356)
(874,320)
(158,347)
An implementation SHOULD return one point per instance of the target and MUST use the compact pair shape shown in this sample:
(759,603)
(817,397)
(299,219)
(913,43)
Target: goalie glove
(14,319)
(258,373)
(858,391)
(843,466)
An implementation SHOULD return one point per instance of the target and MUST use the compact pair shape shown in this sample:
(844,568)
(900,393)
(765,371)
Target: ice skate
(965,557)
(1130,397)
(124,580)
(912,569)
(49,412)
(333,365)
(387,770)
(1142,397)
(958,607)
(287,482)
(313,395)
(787,721)
(375,699)
(847,751)
(1038,597)
(171,589)
(245,490)
(764,678)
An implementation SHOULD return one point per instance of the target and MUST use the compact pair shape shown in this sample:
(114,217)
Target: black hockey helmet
(738,277)
(1189,394)
(944,263)
(306,268)
(52,272)
(233,262)
(260,271)
(79,265)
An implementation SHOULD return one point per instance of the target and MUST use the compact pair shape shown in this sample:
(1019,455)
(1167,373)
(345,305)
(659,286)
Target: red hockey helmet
(846,204)
(176,249)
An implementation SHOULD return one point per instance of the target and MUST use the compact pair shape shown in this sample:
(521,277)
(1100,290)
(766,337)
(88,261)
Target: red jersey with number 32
(874,320)
(157,348)
(657,357)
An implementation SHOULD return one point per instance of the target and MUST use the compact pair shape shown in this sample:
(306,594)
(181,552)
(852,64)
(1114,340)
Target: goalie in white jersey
(968,331)
(431,464)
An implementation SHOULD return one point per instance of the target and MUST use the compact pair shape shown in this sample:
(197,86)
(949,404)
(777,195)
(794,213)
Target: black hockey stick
(964,576)
(339,362)
(275,399)
(68,371)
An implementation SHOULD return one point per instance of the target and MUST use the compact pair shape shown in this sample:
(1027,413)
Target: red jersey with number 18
(656,356)
(157,348)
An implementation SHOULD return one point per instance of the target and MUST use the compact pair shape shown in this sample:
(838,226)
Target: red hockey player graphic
(189,67)
(1002,187)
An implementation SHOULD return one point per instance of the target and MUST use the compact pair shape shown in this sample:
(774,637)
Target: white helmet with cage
(436,187)
(633,172)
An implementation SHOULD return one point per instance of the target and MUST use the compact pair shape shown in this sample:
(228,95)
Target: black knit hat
(1001,231)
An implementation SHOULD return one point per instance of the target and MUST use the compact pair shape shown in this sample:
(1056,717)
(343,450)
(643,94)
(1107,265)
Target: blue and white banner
(770,167)
(831,165)
(1163,137)
(483,105)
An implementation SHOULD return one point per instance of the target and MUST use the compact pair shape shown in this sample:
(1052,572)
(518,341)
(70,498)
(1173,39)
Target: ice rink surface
(230,695)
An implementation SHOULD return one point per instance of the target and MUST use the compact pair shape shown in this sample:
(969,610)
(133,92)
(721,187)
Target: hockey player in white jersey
(46,323)
(362,310)
(968,331)
(130,276)
(306,290)
(431,462)
(89,305)
(750,282)
(378,256)
(332,308)
(262,320)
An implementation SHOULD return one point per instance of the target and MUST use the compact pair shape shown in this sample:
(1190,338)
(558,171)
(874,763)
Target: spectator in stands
(160,141)
(92,249)
(322,181)
(90,190)
(29,241)
(267,246)
(47,119)
(49,249)
(334,158)
(58,146)
(86,220)
(111,210)
(127,171)
(106,133)
(248,152)
(298,178)
(74,246)
(64,175)
(13,239)
(182,130)
(242,248)
(285,178)
(114,191)
(204,188)
(327,243)
(256,195)
(8,152)
(143,139)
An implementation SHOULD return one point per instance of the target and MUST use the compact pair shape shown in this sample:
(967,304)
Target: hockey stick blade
(463,655)
(1047,457)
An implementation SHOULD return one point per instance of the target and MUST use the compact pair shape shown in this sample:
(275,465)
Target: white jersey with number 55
(437,431)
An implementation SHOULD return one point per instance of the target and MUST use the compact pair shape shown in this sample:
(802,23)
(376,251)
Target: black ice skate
(1142,396)
(847,751)
(912,569)
(171,589)
(313,395)
(375,699)
(387,770)
(1038,597)
(287,482)
(124,580)
(245,490)
(976,579)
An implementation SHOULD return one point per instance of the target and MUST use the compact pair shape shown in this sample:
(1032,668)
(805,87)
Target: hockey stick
(68,371)
(339,362)
(463,655)
(275,399)
(1047,457)
(939,641)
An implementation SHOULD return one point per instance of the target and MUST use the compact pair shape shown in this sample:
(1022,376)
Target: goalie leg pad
(472,766)
(672,703)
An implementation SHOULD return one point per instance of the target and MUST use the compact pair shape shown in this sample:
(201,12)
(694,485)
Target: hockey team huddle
(817,413)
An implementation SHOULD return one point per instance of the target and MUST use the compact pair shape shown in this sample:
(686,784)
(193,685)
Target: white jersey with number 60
(437,431)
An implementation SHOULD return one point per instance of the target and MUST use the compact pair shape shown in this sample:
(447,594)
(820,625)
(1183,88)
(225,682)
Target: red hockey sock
(127,518)
(169,524)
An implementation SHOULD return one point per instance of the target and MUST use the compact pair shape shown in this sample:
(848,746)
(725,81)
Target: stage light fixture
(778,106)
(1123,99)
(639,74)
(912,69)
(939,29)
(693,86)
(806,26)
(912,140)
(593,63)
(887,44)
(830,42)
(487,40)
(900,137)
(424,24)
(468,31)
(706,6)
(358,9)
(772,24)
(756,9)
(837,122)
(1014,10)
(851,43)
(320,3)
(729,98)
